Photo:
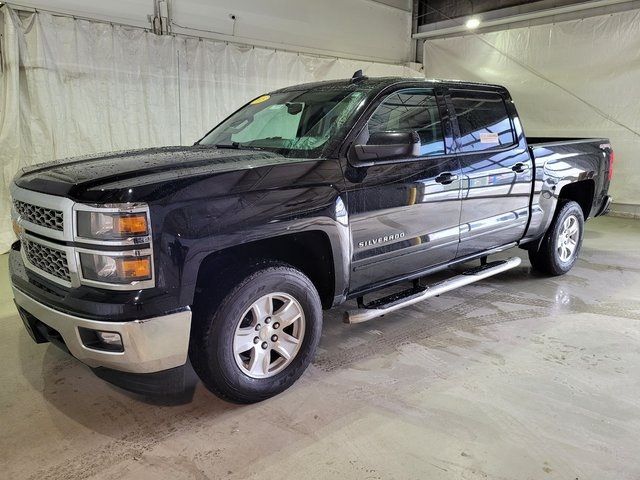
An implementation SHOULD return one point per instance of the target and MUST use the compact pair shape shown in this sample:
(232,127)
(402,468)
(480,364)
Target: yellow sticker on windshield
(261,99)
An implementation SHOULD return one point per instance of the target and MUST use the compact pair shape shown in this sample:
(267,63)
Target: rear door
(404,213)
(496,169)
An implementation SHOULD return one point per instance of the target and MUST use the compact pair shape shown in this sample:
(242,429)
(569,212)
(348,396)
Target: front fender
(192,232)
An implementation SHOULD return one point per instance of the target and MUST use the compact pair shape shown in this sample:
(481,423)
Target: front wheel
(260,337)
(561,244)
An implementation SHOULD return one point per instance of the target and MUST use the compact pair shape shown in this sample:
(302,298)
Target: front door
(496,170)
(404,214)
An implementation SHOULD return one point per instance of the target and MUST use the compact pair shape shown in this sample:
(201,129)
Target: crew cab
(222,255)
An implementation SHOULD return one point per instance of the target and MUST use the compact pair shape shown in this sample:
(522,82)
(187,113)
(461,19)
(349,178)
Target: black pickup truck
(224,254)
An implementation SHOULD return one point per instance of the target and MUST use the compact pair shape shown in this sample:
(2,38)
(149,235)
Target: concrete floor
(517,377)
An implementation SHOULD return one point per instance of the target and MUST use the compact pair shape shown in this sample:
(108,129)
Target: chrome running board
(394,302)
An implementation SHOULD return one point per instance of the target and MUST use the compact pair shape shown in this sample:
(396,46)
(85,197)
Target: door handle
(446,178)
(520,167)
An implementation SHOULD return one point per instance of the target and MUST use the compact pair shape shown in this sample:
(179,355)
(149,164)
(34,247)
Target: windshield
(296,123)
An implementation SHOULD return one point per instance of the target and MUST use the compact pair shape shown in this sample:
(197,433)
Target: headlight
(115,269)
(112,225)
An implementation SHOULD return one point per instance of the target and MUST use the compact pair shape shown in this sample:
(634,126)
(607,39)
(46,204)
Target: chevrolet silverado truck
(222,255)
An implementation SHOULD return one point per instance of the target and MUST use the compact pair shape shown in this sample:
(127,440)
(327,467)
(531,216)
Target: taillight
(612,157)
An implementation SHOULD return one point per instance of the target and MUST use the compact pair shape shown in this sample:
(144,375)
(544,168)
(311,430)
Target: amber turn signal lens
(131,224)
(17,229)
(135,268)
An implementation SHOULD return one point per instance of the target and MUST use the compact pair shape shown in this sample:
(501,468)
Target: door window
(483,121)
(411,110)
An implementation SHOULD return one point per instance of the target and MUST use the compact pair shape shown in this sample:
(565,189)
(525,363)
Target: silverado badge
(380,240)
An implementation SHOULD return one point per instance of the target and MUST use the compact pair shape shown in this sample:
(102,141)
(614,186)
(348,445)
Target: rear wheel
(561,244)
(259,336)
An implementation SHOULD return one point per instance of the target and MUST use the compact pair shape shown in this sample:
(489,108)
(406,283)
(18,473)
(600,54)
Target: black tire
(548,258)
(214,329)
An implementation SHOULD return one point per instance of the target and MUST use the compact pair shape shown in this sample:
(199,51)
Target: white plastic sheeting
(71,87)
(578,79)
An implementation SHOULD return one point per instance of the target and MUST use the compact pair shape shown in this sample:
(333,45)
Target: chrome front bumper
(150,345)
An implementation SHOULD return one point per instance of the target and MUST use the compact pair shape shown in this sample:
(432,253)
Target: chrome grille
(48,239)
(49,260)
(43,216)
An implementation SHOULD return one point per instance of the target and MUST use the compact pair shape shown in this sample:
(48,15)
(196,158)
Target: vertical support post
(161,20)
(179,95)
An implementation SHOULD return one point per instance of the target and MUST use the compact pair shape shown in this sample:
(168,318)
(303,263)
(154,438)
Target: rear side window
(483,121)
(412,109)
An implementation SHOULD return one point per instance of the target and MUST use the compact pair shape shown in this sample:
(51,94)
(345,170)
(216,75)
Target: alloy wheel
(269,335)
(568,238)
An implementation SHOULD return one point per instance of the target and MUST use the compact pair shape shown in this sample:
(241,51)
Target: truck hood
(134,169)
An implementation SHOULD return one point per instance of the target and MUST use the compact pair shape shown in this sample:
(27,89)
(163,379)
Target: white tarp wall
(71,87)
(578,79)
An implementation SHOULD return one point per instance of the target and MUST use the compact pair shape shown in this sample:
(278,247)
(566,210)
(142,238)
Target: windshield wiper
(236,146)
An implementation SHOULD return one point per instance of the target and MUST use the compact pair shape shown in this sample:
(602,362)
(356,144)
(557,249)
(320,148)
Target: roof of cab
(380,83)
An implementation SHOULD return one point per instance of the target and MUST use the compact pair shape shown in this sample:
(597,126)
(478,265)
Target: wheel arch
(545,204)
(310,252)
(582,192)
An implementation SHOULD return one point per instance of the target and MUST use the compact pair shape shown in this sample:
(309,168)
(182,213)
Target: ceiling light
(473,23)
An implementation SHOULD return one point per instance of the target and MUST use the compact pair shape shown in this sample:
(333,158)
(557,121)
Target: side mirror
(389,145)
